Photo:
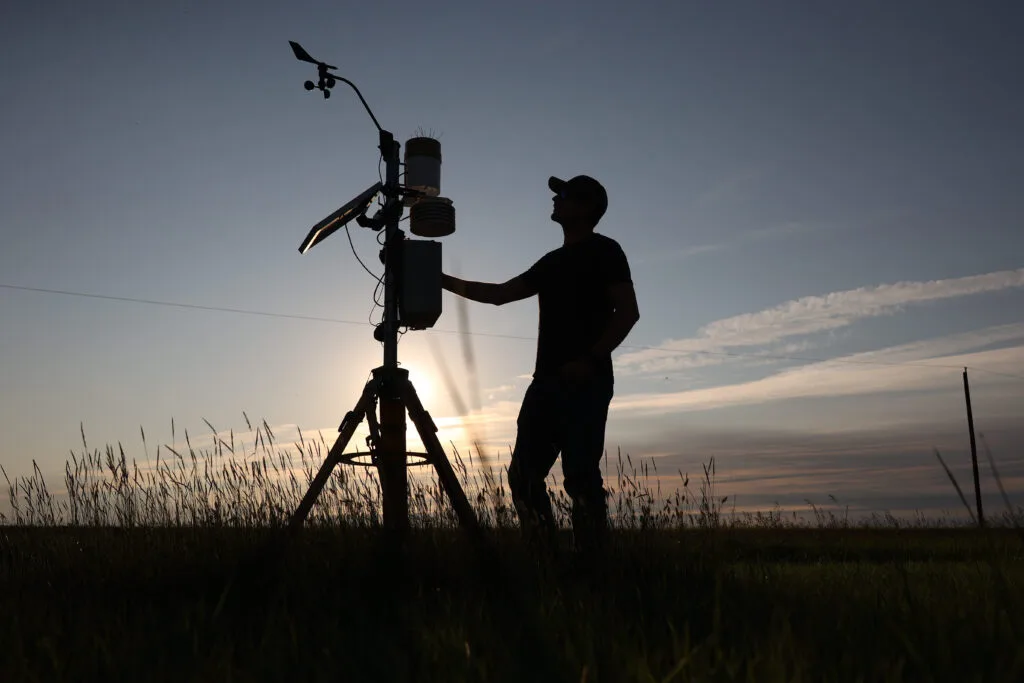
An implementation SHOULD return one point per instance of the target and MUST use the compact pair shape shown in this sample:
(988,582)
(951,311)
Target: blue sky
(816,201)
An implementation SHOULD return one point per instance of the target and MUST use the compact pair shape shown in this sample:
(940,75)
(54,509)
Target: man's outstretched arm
(486,292)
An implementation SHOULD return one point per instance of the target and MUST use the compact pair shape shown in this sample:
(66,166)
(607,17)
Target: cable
(353,246)
(294,316)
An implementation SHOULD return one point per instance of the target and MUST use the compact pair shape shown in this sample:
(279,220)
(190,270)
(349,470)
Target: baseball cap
(582,187)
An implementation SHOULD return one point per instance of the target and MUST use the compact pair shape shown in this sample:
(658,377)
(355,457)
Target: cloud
(857,374)
(499,391)
(819,313)
(871,470)
(731,188)
(680,254)
(809,315)
(757,235)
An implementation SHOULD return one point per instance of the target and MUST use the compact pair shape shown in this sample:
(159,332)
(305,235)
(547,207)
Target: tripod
(396,393)
(390,385)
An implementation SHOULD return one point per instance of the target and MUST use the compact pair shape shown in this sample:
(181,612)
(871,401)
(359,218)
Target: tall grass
(228,484)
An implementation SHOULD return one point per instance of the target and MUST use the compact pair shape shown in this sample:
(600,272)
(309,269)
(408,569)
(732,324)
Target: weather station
(412,299)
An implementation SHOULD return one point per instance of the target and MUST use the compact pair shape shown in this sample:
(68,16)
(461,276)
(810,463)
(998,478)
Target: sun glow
(423,381)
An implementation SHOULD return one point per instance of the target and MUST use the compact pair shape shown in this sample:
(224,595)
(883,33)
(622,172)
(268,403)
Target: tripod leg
(348,427)
(445,474)
(391,450)
(391,465)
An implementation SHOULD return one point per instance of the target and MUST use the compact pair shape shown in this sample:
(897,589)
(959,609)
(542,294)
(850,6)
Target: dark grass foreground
(124,578)
(347,604)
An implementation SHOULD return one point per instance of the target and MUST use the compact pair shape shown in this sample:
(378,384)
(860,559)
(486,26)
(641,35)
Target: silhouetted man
(587,307)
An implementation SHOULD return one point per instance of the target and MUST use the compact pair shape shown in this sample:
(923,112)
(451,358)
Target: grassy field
(124,579)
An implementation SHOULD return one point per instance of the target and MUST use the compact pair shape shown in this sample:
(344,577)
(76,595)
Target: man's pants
(559,415)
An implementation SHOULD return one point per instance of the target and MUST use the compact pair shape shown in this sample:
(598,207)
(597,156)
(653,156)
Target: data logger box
(419,297)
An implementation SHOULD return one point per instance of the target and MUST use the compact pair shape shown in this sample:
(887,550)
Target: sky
(820,204)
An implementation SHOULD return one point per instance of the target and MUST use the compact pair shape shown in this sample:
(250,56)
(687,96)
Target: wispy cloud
(819,313)
(730,188)
(869,470)
(781,231)
(501,390)
(850,375)
(808,315)
(679,254)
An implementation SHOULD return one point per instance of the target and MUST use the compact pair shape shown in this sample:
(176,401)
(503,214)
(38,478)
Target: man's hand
(577,370)
(484,292)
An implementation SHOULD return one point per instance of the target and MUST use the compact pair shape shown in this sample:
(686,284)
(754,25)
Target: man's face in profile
(568,209)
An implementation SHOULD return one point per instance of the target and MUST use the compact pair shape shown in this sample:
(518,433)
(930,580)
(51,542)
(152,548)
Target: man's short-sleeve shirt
(575,307)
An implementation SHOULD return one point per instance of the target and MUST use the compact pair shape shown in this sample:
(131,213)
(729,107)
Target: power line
(294,316)
(993,372)
(174,304)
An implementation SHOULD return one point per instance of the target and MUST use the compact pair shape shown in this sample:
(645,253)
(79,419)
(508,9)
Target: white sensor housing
(422,167)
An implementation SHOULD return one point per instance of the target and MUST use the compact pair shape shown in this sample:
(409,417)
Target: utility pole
(974,451)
